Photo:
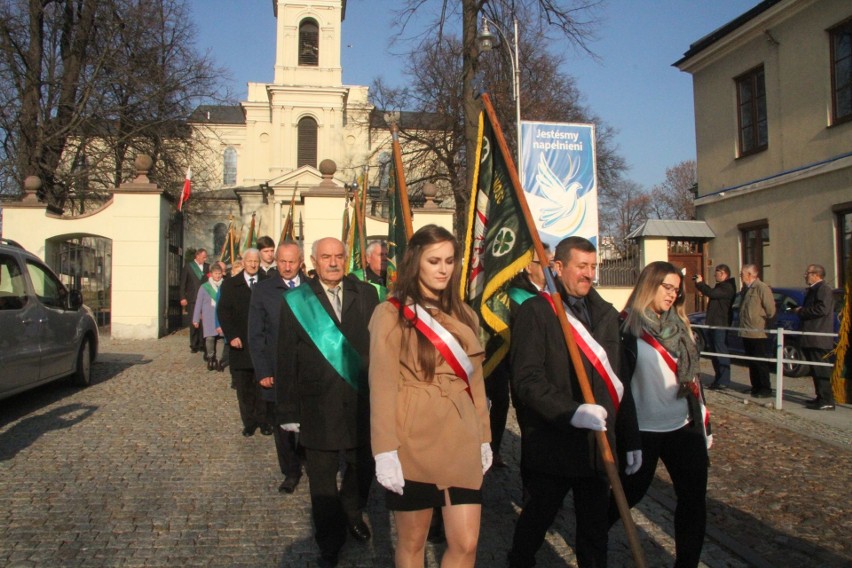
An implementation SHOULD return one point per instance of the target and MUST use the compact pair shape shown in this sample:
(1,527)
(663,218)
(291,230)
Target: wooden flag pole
(362,218)
(573,350)
(400,181)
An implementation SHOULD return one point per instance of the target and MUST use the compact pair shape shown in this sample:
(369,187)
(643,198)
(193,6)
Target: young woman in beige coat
(429,426)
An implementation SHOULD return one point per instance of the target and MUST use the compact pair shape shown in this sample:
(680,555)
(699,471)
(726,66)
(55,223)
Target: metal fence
(622,271)
(779,359)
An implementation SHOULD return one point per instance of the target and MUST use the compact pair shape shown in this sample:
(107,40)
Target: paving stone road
(147,467)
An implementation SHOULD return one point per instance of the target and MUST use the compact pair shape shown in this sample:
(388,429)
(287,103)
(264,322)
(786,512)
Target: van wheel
(82,376)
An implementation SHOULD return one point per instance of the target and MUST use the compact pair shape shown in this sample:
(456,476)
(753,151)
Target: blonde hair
(643,294)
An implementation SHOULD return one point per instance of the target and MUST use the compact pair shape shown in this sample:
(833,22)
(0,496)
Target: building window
(229,166)
(843,214)
(751,112)
(755,240)
(309,43)
(307,147)
(841,72)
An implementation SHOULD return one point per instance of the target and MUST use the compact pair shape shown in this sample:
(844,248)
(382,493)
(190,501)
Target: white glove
(291,427)
(634,462)
(487,456)
(389,471)
(590,416)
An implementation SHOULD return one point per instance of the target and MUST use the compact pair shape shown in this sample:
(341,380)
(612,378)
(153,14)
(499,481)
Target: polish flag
(187,183)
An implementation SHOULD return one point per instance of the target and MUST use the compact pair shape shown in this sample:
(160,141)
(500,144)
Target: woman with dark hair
(428,416)
(669,403)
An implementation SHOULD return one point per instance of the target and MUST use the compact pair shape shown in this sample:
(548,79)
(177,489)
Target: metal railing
(779,359)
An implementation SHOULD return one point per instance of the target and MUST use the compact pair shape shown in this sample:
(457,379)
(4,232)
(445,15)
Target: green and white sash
(197,270)
(325,335)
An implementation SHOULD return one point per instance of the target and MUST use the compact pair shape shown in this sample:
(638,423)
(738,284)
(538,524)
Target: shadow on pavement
(28,430)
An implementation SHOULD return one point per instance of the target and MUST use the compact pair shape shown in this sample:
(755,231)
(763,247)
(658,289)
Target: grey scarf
(672,334)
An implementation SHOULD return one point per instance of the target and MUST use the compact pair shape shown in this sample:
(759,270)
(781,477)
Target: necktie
(578,308)
(335,294)
(291,284)
(251,282)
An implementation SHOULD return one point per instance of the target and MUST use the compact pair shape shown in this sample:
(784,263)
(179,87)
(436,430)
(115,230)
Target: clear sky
(633,88)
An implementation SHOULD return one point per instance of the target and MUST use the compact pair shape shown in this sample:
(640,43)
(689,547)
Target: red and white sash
(596,355)
(696,390)
(447,345)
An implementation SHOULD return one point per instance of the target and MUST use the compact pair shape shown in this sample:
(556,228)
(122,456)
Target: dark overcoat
(547,393)
(817,315)
(190,283)
(233,311)
(332,415)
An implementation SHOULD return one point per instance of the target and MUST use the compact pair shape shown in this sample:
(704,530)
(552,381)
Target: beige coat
(757,310)
(434,425)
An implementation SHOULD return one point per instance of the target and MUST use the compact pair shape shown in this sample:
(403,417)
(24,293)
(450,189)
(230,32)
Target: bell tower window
(306,154)
(309,43)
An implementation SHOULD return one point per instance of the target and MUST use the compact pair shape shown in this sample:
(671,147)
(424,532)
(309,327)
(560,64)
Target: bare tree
(674,198)
(92,83)
(571,19)
(622,208)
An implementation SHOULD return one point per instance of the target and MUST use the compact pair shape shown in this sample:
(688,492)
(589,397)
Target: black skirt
(417,496)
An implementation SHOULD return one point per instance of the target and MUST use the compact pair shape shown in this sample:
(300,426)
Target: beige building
(269,147)
(773,122)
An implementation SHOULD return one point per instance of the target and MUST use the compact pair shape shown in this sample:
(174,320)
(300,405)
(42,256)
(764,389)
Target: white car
(46,333)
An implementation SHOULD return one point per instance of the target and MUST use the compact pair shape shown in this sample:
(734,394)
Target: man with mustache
(322,393)
(558,448)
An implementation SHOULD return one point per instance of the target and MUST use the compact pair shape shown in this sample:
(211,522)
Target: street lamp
(488,41)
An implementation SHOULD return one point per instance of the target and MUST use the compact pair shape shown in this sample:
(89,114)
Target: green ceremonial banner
(498,244)
(354,243)
(397,239)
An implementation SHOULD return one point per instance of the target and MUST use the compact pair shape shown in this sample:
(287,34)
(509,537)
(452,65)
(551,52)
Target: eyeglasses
(671,289)
(810,272)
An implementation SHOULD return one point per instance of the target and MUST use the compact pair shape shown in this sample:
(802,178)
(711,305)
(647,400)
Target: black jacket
(190,283)
(333,416)
(548,394)
(721,298)
(233,312)
(817,315)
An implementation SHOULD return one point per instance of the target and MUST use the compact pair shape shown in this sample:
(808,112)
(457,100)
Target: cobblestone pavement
(147,467)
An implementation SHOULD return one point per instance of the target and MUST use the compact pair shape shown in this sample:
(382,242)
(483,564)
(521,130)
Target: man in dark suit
(233,312)
(817,313)
(263,324)
(719,314)
(194,274)
(557,426)
(322,392)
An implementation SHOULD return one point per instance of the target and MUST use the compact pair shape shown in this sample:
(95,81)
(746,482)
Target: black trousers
(821,375)
(684,453)
(252,406)
(286,449)
(758,371)
(196,334)
(497,391)
(333,509)
(545,494)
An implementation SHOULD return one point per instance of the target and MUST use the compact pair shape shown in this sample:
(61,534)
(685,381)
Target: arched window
(309,43)
(229,169)
(306,154)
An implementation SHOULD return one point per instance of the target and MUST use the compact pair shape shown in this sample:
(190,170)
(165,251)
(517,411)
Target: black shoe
(249,431)
(816,400)
(327,560)
(821,406)
(289,484)
(762,394)
(360,531)
(194,349)
(266,429)
(221,367)
(718,387)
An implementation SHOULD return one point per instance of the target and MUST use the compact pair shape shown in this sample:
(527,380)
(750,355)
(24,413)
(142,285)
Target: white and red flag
(187,186)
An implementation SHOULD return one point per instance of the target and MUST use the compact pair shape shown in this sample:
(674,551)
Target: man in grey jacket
(817,314)
(756,312)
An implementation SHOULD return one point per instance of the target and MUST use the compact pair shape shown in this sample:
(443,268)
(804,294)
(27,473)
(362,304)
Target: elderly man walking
(322,392)
(817,313)
(756,311)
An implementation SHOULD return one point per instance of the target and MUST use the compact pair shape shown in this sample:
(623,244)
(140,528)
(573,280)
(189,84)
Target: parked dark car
(46,333)
(785,299)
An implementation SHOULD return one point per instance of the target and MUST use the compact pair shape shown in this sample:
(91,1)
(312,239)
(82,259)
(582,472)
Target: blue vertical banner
(559,176)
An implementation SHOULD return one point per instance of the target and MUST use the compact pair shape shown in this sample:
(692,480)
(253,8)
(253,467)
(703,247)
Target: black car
(785,300)
(46,333)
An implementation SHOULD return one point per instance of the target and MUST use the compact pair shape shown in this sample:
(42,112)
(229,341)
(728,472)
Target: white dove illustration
(562,212)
